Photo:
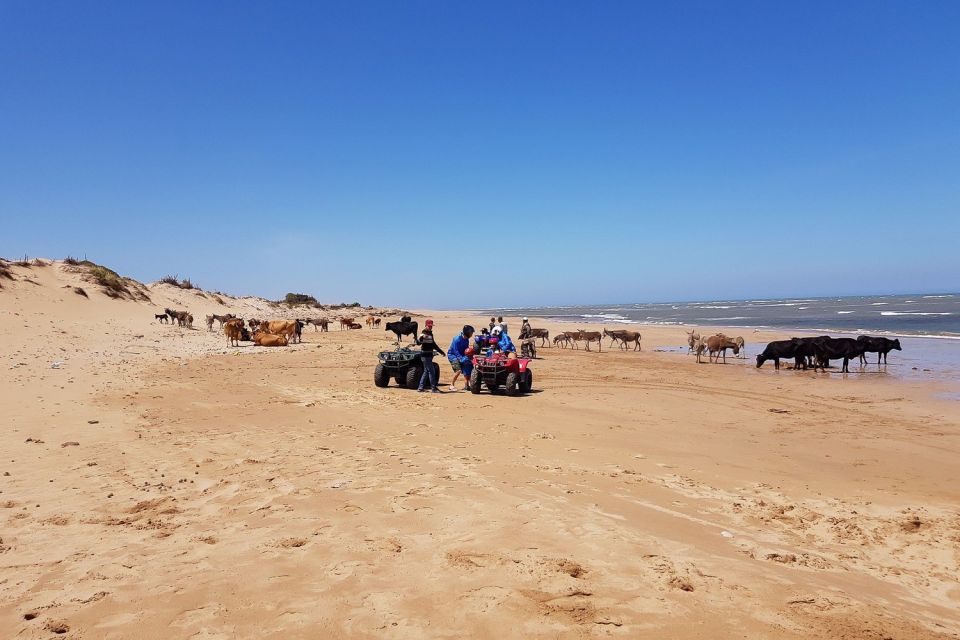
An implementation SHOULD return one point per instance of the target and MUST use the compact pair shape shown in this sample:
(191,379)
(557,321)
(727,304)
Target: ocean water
(929,315)
(928,324)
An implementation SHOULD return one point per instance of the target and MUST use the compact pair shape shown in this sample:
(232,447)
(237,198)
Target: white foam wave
(949,295)
(915,313)
(844,312)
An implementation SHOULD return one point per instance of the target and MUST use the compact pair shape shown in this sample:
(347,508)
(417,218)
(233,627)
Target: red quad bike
(496,371)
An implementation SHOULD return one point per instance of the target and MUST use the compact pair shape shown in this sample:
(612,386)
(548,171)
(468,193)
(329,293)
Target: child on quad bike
(501,342)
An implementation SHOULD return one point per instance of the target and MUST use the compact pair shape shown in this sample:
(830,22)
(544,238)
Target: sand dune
(159,484)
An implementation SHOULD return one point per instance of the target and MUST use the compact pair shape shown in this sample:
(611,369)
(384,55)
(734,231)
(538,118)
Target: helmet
(497,331)
(525,318)
(468,351)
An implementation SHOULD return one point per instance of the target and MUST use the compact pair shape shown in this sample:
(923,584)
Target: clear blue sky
(451,154)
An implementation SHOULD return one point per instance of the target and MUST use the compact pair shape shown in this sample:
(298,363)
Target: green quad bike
(403,365)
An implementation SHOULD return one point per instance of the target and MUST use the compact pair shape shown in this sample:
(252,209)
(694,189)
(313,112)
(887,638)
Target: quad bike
(496,371)
(404,365)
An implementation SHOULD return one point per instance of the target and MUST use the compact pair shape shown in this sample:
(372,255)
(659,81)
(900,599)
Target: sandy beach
(156,483)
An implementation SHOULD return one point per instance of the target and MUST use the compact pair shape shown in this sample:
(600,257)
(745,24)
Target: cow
(286,328)
(403,328)
(254,324)
(369,321)
(590,336)
(298,329)
(345,323)
(836,348)
(807,353)
(880,346)
(622,337)
(263,339)
(162,317)
(234,331)
(356,325)
(376,322)
(776,350)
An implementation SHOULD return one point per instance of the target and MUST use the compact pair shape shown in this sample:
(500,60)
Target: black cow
(834,348)
(779,349)
(404,328)
(880,346)
(808,350)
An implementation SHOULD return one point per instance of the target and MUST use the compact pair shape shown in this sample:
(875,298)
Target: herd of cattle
(814,352)
(817,352)
(268,333)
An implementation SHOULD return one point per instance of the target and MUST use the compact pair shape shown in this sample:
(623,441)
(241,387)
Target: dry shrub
(71,261)
(183,284)
(80,292)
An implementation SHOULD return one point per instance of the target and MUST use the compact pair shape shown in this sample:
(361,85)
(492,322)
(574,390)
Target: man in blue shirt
(460,360)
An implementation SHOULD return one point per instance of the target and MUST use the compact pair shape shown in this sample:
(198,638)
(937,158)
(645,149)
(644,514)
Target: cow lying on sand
(288,328)
(262,339)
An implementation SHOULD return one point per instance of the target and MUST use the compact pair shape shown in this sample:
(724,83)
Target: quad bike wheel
(436,373)
(513,378)
(381,376)
(526,381)
(413,377)
(475,381)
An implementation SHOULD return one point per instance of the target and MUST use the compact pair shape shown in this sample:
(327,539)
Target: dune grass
(177,282)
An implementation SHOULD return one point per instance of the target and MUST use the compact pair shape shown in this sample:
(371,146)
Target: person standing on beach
(493,323)
(501,324)
(525,328)
(427,348)
(460,358)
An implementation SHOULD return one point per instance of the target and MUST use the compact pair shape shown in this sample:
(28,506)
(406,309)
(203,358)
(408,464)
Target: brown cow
(262,339)
(356,325)
(376,322)
(369,320)
(345,323)
(233,329)
(281,328)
